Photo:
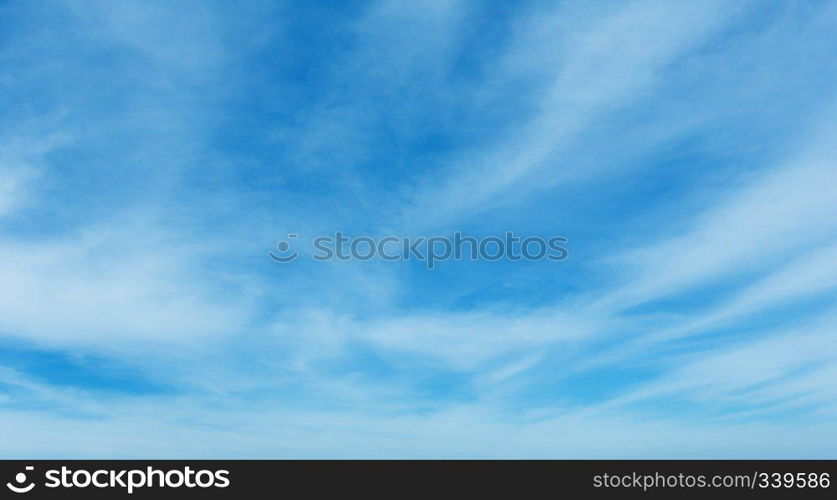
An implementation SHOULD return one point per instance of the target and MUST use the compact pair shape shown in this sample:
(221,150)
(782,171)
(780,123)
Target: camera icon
(20,479)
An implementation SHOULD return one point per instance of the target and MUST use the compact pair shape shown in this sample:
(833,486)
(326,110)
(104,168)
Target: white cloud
(468,341)
(110,287)
(772,369)
(751,227)
(170,429)
(595,65)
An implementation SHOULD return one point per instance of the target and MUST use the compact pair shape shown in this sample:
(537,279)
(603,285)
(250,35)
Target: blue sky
(151,155)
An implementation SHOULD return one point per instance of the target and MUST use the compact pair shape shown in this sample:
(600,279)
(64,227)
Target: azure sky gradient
(152,153)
